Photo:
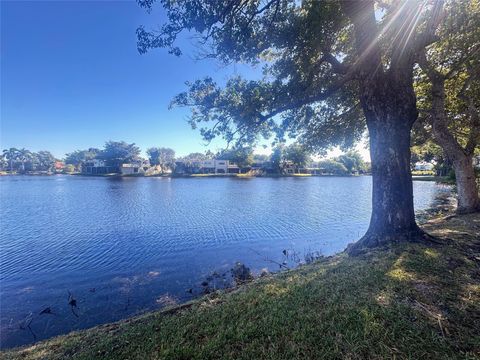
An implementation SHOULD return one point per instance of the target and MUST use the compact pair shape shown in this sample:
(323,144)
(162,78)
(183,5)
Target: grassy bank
(440,179)
(410,301)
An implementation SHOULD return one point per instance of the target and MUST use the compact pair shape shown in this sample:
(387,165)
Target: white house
(214,166)
(423,166)
(97,167)
(131,169)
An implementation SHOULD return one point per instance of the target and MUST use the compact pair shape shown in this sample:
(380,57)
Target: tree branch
(337,66)
(432,73)
(309,99)
(258,12)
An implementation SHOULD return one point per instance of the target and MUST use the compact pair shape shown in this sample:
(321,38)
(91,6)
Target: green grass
(440,179)
(423,173)
(410,301)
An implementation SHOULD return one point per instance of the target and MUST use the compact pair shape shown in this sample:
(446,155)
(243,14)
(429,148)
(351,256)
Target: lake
(122,246)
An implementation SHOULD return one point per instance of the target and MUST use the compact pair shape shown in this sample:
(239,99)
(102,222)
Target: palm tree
(24,155)
(3,162)
(11,155)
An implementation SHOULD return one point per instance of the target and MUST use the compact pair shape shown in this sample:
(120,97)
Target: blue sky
(71,78)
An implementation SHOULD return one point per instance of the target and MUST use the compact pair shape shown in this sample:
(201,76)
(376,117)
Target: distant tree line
(24,160)
(116,153)
(299,156)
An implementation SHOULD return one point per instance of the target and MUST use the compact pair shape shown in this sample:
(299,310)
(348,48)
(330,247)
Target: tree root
(377,241)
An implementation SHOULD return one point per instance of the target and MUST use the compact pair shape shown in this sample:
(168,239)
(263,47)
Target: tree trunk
(388,101)
(468,199)
(393,215)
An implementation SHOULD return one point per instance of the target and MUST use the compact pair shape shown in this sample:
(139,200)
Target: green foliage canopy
(352,161)
(79,157)
(240,155)
(117,153)
(165,157)
(297,154)
(277,158)
(24,160)
(331,166)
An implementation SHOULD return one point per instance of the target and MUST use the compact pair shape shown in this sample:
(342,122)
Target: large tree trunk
(393,214)
(392,193)
(389,105)
(467,190)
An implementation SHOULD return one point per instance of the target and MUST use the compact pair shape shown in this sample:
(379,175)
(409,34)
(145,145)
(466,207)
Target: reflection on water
(120,246)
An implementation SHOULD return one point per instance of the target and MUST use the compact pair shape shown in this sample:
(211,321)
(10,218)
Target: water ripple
(119,245)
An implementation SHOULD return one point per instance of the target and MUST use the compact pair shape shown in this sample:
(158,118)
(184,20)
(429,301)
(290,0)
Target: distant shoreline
(112,175)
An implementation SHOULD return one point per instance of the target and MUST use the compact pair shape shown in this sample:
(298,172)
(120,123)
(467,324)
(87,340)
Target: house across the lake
(212,166)
(59,165)
(423,166)
(100,167)
(131,169)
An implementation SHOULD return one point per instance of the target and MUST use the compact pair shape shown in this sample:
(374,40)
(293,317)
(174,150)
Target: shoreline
(115,336)
(185,176)
(440,179)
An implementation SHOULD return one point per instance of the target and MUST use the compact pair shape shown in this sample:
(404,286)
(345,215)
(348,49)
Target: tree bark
(393,214)
(389,105)
(467,190)
(392,193)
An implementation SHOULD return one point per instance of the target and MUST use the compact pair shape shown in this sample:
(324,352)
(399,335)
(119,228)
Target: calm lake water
(121,246)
